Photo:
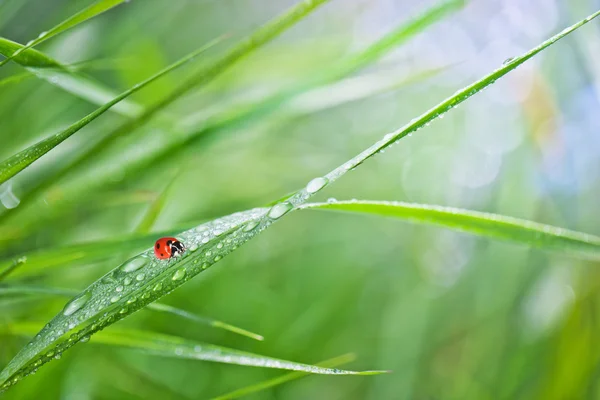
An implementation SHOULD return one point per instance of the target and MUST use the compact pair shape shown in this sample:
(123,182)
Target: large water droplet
(250,226)
(278,210)
(134,263)
(179,274)
(76,304)
(316,184)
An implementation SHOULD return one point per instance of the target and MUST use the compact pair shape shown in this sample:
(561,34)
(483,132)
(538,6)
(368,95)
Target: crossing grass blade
(21,160)
(176,347)
(30,290)
(479,223)
(91,11)
(101,305)
(66,77)
(257,39)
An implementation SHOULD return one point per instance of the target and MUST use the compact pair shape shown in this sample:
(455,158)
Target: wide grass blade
(93,10)
(101,305)
(258,387)
(176,347)
(158,307)
(479,223)
(67,78)
(21,160)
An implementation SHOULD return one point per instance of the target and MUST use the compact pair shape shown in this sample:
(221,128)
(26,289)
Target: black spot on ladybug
(169,242)
(162,255)
(158,245)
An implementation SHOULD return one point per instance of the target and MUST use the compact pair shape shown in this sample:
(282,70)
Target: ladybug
(168,247)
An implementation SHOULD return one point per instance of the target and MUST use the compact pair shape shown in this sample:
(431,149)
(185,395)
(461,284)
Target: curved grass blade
(333,362)
(67,78)
(205,75)
(51,291)
(176,347)
(101,305)
(253,112)
(479,223)
(93,10)
(21,160)
(204,320)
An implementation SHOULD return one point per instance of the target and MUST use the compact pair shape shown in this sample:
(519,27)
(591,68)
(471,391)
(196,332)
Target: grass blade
(100,306)
(51,291)
(67,78)
(333,362)
(479,223)
(177,347)
(205,75)
(21,160)
(93,10)
(346,67)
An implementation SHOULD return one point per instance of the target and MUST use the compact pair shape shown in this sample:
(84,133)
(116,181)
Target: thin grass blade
(176,347)
(21,160)
(258,387)
(479,223)
(93,10)
(157,307)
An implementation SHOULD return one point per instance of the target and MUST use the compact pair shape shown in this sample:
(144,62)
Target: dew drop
(85,339)
(135,263)
(250,226)
(114,299)
(179,274)
(316,184)
(193,247)
(127,281)
(140,277)
(217,258)
(119,289)
(76,304)
(158,287)
(331,200)
(279,210)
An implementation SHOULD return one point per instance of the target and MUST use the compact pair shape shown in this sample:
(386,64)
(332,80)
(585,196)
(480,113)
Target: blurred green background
(452,315)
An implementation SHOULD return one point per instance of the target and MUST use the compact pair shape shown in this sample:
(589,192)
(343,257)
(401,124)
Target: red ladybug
(168,247)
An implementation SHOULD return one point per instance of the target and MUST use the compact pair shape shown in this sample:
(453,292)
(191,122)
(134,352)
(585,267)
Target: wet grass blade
(176,347)
(67,78)
(21,160)
(333,362)
(93,10)
(479,223)
(158,307)
(101,304)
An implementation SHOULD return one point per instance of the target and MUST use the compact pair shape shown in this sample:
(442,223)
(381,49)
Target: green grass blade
(21,160)
(66,78)
(204,320)
(158,307)
(101,305)
(176,347)
(344,68)
(93,10)
(258,387)
(479,223)
(205,75)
